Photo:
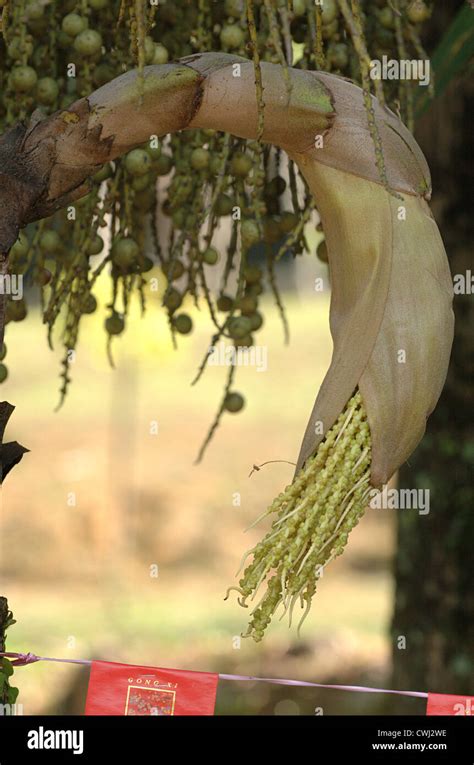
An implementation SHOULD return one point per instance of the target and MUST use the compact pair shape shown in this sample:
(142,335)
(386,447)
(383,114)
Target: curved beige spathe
(391,316)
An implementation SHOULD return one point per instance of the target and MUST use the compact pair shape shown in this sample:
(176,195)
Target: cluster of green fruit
(53,53)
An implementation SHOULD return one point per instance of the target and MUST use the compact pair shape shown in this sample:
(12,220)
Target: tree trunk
(434,568)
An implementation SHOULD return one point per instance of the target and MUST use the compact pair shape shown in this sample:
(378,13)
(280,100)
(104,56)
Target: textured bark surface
(434,568)
(37,175)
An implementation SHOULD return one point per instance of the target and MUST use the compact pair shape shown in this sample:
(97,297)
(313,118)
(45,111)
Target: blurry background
(100,501)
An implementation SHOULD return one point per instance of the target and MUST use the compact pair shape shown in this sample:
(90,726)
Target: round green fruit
(43,277)
(250,233)
(244,342)
(163,164)
(90,305)
(210,256)
(160,55)
(234,402)
(114,325)
(200,159)
(73,24)
(144,265)
(124,252)
(338,55)
(241,165)
(176,270)
(172,300)
(154,151)
(138,162)
(299,7)
(149,50)
(418,12)
(232,36)
(215,165)
(329,11)
(16,310)
(239,326)
(88,42)
(183,324)
(248,305)
(3,373)
(256,320)
(102,74)
(96,245)
(18,48)
(233,7)
(252,274)
(50,241)
(34,11)
(225,303)
(224,205)
(47,91)
(322,252)
(275,187)
(179,218)
(23,78)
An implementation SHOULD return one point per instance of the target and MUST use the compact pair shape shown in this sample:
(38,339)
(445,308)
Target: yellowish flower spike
(314,516)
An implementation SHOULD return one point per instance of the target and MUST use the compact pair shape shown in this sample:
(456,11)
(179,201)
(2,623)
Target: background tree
(434,600)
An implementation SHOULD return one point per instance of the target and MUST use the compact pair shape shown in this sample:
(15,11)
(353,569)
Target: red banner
(443,704)
(127,689)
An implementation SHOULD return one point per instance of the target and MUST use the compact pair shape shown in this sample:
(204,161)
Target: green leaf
(7,667)
(12,695)
(451,56)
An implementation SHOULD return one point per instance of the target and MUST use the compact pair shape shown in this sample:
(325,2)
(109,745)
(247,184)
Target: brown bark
(34,179)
